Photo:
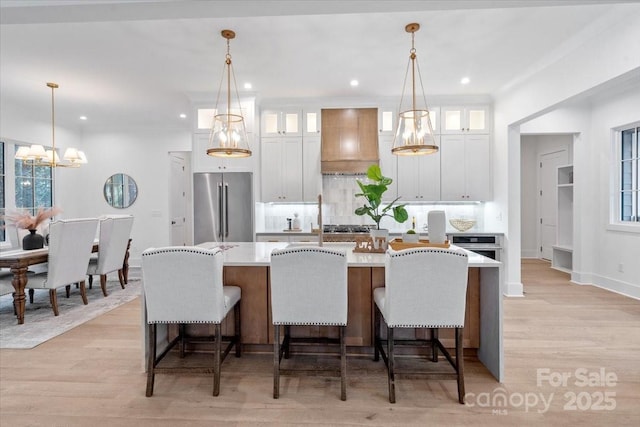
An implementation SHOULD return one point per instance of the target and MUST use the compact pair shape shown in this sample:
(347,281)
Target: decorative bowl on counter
(462,224)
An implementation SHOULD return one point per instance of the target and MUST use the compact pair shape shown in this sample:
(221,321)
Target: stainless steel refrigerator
(223,207)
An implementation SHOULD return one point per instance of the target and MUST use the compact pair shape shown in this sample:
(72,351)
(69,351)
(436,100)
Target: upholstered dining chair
(113,238)
(308,287)
(183,285)
(70,245)
(424,288)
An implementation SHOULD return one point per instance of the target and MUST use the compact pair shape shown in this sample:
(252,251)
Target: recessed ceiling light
(465,80)
(183,116)
(248,85)
(354,83)
(83,117)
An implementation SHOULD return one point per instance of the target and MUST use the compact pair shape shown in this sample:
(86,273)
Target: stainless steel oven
(483,244)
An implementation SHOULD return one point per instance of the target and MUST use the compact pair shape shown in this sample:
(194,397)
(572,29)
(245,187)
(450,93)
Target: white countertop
(259,254)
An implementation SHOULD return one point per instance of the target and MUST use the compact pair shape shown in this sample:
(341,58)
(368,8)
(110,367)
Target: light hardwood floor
(93,375)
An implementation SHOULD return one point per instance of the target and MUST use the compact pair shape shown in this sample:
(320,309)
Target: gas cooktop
(346,228)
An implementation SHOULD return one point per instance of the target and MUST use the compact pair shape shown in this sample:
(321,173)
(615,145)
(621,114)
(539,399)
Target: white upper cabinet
(281,122)
(282,169)
(419,177)
(465,120)
(466,168)
(387,119)
(311,122)
(388,166)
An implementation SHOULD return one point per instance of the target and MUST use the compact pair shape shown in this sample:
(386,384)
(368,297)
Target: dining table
(19,261)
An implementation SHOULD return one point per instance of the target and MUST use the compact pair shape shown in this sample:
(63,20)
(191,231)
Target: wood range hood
(349,140)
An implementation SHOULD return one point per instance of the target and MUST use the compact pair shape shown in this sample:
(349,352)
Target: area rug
(41,325)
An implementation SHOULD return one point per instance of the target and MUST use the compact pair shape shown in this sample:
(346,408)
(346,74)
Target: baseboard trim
(514,289)
(618,286)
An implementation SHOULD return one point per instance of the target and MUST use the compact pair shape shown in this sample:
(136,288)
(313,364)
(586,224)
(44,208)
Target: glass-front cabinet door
(281,122)
(311,122)
(468,119)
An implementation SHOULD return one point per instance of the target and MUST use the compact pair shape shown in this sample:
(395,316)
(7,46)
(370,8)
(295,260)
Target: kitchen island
(246,264)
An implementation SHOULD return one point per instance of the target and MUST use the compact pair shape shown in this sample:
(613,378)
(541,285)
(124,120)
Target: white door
(548,192)
(178,202)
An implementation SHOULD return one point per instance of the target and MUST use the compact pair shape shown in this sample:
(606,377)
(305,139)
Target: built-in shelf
(562,258)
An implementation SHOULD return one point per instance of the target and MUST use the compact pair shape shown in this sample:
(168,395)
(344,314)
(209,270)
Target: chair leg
(343,365)
(67,290)
(460,364)
(392,381)
(31,292)
(276,361)
(376,333)
(181,334)
(151,359)
(53,297)
(287,341)
(83,293)
(237,329)
(90,281)
(121,278)
(216,361)
(103,284)
(434,344)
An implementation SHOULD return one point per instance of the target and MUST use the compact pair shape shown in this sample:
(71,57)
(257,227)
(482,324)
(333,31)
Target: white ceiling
(141,62)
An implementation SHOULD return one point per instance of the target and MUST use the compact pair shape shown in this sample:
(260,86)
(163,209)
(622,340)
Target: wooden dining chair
(308,287)
(183,285)
(113,239)
(424,288)
(70,245)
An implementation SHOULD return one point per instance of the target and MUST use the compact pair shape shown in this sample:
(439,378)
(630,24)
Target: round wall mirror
(120,191)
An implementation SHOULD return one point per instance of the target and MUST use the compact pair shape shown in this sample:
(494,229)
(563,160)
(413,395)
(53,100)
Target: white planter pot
(379,234)
(410,238)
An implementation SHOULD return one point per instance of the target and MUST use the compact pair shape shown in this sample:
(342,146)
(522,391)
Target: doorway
(540,155)
(179,199)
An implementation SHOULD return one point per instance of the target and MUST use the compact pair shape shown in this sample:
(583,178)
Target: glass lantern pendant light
(414,136)
(228,137)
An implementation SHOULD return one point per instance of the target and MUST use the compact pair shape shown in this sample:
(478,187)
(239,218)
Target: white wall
(620,247)
(606,55)
(144,155)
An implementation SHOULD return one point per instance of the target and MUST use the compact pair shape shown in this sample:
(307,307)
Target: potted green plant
(410,236)
(374,208)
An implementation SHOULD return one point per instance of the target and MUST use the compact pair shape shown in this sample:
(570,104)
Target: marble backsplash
(339,204)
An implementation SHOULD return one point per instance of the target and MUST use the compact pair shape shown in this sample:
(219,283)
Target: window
(629,149)
(33,185)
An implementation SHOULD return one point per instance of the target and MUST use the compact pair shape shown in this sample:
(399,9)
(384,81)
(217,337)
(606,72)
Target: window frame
(616,223)
(34,177)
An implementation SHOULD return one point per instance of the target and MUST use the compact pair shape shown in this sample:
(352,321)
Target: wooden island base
(257,330)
